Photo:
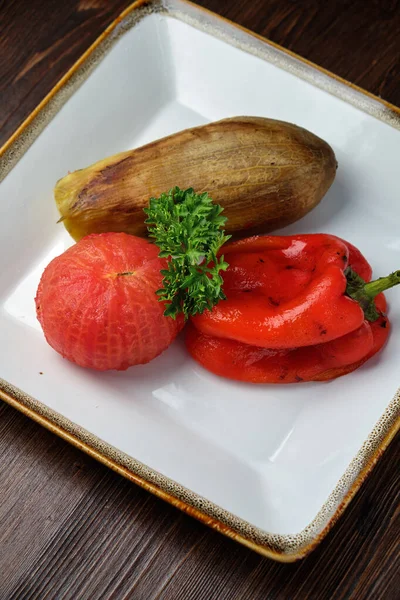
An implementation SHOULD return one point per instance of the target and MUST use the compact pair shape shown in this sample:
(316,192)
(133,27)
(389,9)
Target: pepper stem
(365,293)
(373,288)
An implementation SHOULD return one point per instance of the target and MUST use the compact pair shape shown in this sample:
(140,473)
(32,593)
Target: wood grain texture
(72,529)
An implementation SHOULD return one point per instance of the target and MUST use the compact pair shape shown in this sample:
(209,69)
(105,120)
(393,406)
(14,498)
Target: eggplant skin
(265,173)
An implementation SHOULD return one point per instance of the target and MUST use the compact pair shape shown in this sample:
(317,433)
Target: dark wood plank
(70,528)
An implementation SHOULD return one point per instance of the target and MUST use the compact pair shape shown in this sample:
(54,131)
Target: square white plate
(269,465)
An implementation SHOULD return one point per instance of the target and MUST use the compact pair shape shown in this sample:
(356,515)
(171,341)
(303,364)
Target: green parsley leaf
(187,227)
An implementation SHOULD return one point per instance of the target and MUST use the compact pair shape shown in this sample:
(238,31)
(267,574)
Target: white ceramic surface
(269,454)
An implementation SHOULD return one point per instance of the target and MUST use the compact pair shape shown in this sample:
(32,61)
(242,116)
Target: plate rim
(280,547)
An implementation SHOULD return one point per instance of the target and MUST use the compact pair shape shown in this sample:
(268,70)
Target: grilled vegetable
(298,308)
(97,303)
(264,173)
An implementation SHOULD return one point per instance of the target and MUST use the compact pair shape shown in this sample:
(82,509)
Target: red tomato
(97,303)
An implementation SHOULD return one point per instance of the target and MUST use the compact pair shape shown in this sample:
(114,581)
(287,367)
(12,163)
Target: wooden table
(70,528)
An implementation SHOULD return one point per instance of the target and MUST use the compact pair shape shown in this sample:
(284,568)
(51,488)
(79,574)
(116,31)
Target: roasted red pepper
(298,308)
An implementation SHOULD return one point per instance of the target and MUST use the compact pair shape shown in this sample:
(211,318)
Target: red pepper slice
(322,362)
(286,292)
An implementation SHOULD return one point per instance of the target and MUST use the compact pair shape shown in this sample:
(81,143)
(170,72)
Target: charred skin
(265,173)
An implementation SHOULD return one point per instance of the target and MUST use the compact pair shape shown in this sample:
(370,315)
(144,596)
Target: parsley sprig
(187,227)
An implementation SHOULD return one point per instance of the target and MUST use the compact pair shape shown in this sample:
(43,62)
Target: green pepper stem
(373,288)
(364,293)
